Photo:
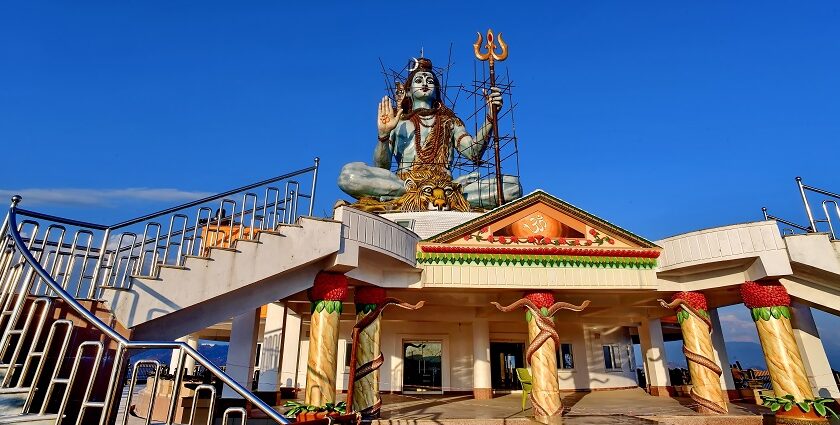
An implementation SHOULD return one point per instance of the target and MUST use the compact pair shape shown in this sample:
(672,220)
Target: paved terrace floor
(631,406)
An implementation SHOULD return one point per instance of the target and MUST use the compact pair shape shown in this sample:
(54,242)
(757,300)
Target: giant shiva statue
(421,133)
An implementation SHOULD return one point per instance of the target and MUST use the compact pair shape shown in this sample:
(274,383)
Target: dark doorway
(505,357)
(422,367)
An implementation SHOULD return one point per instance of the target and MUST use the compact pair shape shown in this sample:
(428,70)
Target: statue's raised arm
(473,148)
(387,120)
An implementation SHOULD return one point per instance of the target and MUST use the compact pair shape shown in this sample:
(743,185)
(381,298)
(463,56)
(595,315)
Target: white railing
(719,244)
(378,234)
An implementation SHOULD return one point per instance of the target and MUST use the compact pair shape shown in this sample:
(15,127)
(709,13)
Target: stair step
(12,401)
(220,248)
(279,226)
(32,419)
(137,276)
(19,390)
(247,240)
(198,257)
(173,266)
(272,232)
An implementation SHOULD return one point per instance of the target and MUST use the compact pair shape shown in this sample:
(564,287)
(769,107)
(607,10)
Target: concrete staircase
(210,289)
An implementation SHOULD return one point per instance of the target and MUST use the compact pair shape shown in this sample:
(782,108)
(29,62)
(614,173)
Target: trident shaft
(491,56)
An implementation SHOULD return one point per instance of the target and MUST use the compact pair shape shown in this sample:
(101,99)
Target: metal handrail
(781,220)
(804,187)
(71,222)
(10,227)
(222,195)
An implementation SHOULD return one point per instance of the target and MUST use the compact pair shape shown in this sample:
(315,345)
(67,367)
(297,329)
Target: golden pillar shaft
(321,364)
(705,376)
(366,388)
(787,372)
(545,394)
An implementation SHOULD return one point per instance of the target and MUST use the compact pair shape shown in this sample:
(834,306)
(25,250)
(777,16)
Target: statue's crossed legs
(361,180)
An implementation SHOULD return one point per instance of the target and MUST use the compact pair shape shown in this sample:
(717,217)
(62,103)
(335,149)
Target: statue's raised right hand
(387,119)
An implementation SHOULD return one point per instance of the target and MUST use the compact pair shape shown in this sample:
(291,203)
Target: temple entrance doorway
(422,367)
(505,357)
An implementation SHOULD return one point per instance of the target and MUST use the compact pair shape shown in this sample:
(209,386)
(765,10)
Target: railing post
(113,394)
(15,200)
(314,183)
(95,277)
(811,221)
(176,386)
(764,211)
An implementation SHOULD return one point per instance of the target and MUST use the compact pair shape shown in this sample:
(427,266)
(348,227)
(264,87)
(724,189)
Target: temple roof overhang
(538,241)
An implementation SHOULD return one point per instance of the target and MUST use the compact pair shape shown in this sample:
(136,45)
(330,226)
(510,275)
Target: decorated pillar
(367,359)
(326,296)
(693,317)
(769,304)
(541,353)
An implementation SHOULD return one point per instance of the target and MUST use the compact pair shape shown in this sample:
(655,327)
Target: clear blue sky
(663,117)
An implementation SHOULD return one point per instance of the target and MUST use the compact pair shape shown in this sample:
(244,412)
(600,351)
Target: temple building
(460,262)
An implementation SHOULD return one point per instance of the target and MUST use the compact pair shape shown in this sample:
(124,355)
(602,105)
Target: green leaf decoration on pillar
(528,316)
(785,310)
(774,311)
(820,409)
(765,313)
(330,306)
(544,311)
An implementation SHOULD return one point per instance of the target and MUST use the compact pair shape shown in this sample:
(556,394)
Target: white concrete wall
(457,338)
(599,376)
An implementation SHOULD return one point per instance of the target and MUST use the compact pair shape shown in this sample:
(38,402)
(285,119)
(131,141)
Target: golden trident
(491,54)
(491,57)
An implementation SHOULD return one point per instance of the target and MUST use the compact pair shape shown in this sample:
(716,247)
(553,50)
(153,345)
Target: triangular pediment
(541,219)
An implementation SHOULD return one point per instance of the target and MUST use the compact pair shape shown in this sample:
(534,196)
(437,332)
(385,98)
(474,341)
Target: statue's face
(423,85)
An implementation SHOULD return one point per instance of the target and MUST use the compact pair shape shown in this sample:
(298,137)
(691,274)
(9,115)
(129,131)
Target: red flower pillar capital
(769,304)
(326,297)
(693,316)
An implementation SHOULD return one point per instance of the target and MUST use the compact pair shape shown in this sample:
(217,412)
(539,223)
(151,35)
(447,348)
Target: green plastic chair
(525,380)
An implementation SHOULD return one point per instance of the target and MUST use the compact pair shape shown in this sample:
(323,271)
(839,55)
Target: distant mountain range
(215,351)
(749,354)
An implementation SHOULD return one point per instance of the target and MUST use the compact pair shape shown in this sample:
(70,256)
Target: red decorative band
(695,299)
(370,295)
(764,294)
(329,287)
(547,250)
(541,298)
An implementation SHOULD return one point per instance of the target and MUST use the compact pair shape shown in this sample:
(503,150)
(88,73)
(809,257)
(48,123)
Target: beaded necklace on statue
(435,152)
